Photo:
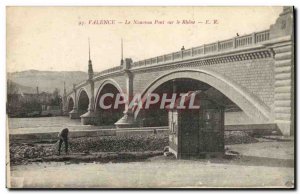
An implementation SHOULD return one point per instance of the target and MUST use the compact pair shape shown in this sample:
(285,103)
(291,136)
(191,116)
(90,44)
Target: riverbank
(23,153)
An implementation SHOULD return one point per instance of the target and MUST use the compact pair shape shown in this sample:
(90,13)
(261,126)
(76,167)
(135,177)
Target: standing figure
(63,137)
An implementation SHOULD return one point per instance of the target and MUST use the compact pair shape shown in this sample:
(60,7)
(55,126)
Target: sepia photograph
(150,97)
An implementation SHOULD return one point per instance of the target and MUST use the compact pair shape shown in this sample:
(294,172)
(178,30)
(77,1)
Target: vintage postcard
(150,97)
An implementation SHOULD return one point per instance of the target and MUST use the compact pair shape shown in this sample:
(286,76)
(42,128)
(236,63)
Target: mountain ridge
(46,81)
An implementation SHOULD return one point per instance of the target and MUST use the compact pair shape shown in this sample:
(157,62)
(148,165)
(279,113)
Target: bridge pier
(284,86)
(281,34)
(89,118)
(74,114)
(128,119)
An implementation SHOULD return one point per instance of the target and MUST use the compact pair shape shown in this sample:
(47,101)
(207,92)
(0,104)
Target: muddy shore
(134,145)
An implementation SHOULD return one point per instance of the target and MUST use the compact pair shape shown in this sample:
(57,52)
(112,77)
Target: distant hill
(15,88)
(47,81)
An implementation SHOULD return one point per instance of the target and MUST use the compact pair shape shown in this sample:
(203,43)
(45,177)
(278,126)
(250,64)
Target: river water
(44,124)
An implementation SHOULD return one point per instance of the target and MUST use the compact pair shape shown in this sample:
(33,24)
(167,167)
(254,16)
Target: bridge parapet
(81,84)
(77,86)
(110,70)
(220,46)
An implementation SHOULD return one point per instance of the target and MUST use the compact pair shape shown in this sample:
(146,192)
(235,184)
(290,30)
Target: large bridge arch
(83,101)
(102,85)
(108,116)
(70,103)
(253,107)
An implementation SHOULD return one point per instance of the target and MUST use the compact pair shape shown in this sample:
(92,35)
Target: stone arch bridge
(253,75)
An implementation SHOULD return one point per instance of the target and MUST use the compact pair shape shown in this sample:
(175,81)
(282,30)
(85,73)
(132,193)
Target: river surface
(47,124)
(15,123)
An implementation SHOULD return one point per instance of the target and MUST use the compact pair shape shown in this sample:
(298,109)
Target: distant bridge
(252,74)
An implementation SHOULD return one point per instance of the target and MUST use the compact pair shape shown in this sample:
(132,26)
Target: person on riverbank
(63,138)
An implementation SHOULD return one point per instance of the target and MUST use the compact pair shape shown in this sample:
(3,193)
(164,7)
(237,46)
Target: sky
(56,38)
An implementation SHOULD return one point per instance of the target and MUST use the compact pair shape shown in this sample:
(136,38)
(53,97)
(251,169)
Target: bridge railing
(220,46)
(262,36)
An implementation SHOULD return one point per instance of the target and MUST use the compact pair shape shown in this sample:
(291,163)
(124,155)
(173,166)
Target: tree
(56,98)
(12,87)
